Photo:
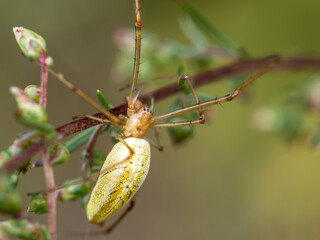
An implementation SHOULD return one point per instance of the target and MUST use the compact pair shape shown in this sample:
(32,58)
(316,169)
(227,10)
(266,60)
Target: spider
(127,165)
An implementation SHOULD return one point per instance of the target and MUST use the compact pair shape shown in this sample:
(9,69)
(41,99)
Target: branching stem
(234,69)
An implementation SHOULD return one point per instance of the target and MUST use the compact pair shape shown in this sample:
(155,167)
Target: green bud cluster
(75,191)
(38,204)
(58,153)
(24,229)
(33,92)
(10,201)
(29,110)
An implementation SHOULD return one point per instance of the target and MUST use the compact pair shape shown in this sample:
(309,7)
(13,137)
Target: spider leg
(104,121)
(114,119)
(156,144)
(202,118)
(228,97)
(179,124)
(122,216)
(134,83)
(156,135)
(196,98)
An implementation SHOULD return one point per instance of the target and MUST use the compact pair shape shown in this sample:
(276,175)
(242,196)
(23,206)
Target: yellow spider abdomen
(116,186)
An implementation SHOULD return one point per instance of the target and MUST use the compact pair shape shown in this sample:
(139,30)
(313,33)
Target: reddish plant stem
(88,158)
(19,160)
(48,170)
(233,69)
(24,138)
(51,200)
(44,82)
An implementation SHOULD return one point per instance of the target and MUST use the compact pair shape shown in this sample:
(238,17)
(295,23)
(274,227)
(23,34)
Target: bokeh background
(229,181)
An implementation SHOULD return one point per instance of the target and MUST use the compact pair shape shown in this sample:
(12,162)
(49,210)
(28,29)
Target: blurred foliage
(296,119)
(38,204)
(24,229)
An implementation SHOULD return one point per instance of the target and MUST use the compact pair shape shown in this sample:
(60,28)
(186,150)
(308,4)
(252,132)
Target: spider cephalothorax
(139,122)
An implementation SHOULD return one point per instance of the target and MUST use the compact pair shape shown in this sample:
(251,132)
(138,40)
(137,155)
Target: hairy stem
(51,200)
(44,82)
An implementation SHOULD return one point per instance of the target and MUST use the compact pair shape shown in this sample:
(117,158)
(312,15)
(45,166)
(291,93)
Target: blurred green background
(230,181)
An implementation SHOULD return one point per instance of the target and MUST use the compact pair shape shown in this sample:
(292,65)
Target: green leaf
(103,101)
(221,39)
(192,32)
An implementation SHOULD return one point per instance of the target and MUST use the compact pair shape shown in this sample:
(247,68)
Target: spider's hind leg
(122,216)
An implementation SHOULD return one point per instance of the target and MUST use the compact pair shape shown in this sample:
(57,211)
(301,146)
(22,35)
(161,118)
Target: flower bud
(58,153)
(49,62)
(74,191)
(38,204)
(10,201)
(24,229)
(33,92)
(31,44)
(29,110)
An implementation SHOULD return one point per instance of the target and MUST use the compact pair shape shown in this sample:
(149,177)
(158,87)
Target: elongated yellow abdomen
(118,185)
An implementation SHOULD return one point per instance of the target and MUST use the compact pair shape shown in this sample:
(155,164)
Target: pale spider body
(115,187)
(125,167)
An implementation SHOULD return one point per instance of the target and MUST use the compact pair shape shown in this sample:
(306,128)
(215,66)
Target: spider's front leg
(202,115)
(198,106)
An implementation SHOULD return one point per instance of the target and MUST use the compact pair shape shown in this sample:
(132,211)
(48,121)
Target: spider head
(139,122)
